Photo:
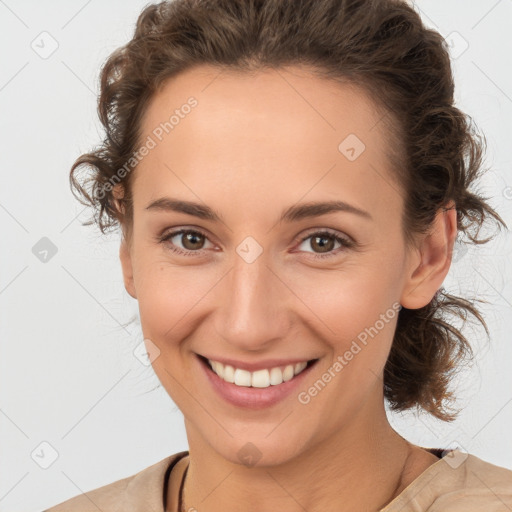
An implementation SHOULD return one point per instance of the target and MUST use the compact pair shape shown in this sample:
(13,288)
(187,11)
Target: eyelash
(345,242)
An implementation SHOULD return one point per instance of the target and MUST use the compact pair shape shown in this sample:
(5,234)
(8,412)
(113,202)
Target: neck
(354,469)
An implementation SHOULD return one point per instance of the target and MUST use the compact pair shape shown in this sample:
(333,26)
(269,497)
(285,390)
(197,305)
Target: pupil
(323,246)
(192,236)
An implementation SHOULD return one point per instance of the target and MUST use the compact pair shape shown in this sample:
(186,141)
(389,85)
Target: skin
(253,146)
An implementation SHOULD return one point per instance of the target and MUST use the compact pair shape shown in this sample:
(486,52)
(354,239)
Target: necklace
(400,478)
(181,505)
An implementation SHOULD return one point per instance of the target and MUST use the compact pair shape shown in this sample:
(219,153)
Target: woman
(290,178)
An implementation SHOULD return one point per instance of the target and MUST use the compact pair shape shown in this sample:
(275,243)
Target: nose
(254,306)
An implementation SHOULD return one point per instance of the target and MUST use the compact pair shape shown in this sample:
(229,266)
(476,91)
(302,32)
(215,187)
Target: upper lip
(257,365)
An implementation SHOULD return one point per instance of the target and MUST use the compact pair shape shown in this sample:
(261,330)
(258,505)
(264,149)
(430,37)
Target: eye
(192,240)
(325,241)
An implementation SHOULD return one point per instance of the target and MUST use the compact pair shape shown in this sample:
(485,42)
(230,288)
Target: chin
(259,452)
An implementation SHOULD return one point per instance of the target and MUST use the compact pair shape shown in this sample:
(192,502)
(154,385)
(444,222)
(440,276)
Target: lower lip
(249,397)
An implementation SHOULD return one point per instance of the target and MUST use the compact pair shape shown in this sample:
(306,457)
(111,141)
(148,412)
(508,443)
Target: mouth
(258,389)
(262,378)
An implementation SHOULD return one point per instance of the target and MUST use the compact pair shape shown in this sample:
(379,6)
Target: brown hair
(380,46)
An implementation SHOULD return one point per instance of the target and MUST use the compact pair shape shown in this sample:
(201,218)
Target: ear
(127,267)
(431,261)
(124,250)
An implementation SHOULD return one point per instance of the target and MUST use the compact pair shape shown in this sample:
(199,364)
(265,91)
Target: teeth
(258,379)
(242,378)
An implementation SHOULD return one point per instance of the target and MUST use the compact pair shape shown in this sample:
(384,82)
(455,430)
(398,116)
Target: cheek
(355,311)
(348,300)
(358,320)
(168,297)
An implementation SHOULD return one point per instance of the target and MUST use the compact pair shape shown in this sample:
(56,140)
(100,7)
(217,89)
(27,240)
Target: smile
(257,385)
(260,378)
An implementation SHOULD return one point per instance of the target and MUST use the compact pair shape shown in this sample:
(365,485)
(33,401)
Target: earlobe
(127,268)
(425,277)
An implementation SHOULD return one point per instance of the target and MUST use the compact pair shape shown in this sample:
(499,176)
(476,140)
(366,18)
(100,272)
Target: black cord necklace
(181,506)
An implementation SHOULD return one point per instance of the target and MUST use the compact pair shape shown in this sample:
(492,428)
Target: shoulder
(459,482)
(139,492)
(477,485)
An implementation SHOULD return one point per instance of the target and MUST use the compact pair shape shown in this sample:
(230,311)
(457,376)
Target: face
(247,284)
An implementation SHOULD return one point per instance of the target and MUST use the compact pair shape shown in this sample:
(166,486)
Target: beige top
(457,482)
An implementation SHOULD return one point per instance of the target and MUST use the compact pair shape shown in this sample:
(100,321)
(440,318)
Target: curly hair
(379,46)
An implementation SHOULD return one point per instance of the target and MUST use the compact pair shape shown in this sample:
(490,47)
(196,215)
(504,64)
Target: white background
(68,375)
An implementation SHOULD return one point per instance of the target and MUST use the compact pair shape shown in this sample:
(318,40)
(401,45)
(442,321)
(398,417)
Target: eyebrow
(292,214)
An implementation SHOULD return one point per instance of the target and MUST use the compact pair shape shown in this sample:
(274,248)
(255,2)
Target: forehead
(290,102)
(276,129)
